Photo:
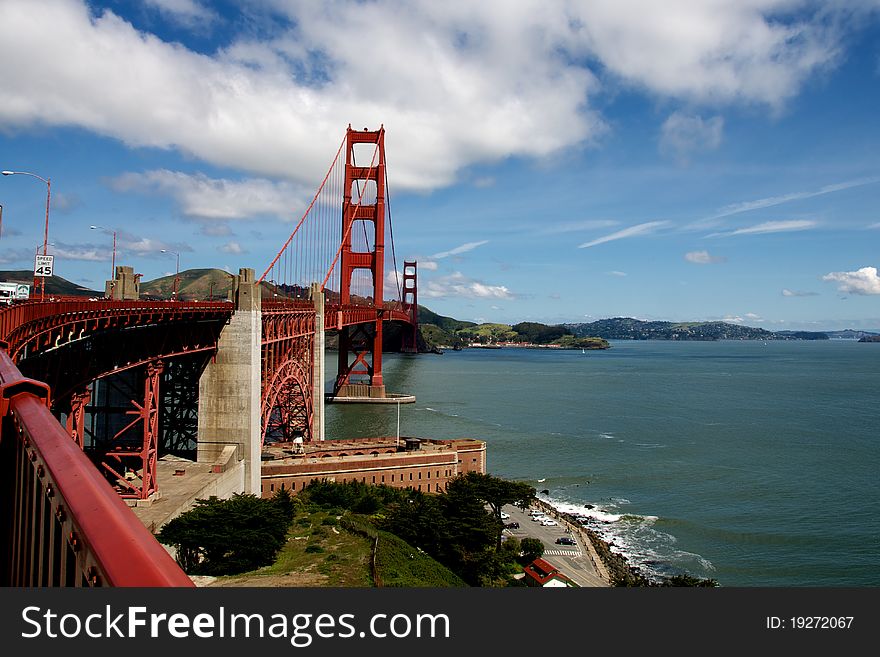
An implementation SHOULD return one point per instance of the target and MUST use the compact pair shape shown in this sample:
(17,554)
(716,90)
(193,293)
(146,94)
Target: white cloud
(617,273)
(464,248)
(188,13)
(703,258)
(87,252)
(632,231)
(862,281)
(215,230)
(770,227)
(753,317)
(795,293)
(455,83)
(427,265)
(16,256)
(577,226)
(873,226)
(232,247)
(683,135)
(458,285)
(210,199)
(733,319)
(748,206)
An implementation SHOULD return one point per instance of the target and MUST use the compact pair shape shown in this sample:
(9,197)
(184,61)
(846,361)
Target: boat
(541,481)
(584,351)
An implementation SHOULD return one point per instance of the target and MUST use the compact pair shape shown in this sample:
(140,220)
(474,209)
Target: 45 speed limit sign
(43,265)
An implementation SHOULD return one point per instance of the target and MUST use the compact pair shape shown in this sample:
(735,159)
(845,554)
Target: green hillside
(54,284)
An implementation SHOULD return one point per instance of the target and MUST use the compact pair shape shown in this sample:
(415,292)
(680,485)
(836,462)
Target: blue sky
(561,161)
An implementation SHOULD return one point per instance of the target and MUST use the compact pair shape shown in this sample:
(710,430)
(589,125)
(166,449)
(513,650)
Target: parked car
(511,525)
(505,516)
(566,540)
(548,522)
(538,518)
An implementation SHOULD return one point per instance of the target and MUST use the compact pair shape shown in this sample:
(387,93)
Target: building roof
(541,572)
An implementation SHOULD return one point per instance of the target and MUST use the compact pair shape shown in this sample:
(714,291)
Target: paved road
(573,560)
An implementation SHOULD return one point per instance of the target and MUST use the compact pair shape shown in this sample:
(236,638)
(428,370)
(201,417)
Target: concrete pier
(229,389)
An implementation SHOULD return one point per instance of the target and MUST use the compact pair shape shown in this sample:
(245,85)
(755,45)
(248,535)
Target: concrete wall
(229,390)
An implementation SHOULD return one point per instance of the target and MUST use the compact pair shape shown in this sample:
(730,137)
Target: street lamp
(176,274)
(113,261)
(48,182)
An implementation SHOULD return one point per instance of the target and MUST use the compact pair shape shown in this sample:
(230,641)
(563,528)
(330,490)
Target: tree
(532,548)
(220,537)
(496,492)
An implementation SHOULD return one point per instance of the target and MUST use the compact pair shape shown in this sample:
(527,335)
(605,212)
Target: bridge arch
(287,408)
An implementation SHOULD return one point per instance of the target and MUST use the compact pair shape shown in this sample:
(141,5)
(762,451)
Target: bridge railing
(61,523)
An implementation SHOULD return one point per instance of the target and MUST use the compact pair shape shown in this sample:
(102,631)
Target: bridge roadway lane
(573,560)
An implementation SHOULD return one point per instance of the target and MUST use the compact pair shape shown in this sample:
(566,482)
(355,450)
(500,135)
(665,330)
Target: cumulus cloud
(703,258)
(455,83)
(795,293)
(459,285)
(203,198)
(632,231)
(188,13)
(464,248)
(863,281)
(683,135)
(87,252)
(232,247)
(770,227)
(428,265)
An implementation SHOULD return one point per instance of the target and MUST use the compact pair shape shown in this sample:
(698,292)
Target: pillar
(229,389)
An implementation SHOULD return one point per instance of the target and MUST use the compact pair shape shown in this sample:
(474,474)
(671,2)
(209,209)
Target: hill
(54,284)
(194,284)
(627,328)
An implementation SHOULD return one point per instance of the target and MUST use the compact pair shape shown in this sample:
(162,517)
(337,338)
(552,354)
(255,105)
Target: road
(572,560)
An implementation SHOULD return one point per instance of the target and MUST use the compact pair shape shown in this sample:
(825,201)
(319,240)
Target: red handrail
(119,547)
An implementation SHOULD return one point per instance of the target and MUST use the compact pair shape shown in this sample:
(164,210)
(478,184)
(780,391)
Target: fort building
(418,463)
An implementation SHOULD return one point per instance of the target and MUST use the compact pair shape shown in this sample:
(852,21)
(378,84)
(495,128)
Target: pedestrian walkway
(564,553)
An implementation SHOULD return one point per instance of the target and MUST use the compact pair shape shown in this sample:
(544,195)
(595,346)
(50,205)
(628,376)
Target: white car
(505,516)
(548,522)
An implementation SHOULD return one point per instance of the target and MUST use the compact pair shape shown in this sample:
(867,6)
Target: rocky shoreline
(614,568)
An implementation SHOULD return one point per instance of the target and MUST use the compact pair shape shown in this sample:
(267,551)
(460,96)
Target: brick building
(418,463)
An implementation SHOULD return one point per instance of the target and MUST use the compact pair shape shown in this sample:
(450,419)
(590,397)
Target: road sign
(43,265)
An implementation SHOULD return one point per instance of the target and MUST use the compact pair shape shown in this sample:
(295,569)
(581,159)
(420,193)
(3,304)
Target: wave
(636,537)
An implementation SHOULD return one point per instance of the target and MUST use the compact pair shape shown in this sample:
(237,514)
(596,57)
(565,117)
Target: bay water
(753,463)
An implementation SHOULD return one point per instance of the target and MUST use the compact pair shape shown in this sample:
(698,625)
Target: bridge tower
(411,302)
(362,375)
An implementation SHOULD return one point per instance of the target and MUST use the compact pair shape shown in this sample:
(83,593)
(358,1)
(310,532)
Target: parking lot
(573,560)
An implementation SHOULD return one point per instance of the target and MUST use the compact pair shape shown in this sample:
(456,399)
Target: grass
(401,565)
(322,551)
(317,553)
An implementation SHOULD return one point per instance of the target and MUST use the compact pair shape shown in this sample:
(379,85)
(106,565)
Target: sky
(547,161)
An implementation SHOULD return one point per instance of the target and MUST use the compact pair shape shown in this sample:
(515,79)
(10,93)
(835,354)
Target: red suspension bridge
(92,392)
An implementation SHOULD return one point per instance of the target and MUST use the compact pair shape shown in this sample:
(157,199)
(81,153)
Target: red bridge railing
(61,522)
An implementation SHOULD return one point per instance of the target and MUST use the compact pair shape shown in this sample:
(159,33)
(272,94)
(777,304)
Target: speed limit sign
(43,265)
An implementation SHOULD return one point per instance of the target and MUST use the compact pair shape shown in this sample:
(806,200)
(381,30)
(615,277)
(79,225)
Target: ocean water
(756,464)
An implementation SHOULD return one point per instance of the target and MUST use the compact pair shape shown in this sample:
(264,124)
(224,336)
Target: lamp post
(113,260)
(48,181)
(176,274)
